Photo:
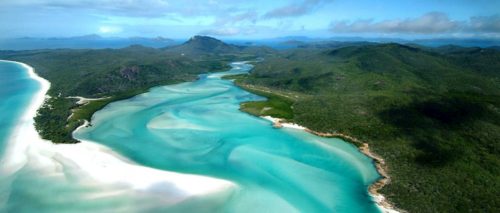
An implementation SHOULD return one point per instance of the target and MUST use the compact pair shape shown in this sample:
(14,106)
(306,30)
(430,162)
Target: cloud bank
(429,23)
(262,18)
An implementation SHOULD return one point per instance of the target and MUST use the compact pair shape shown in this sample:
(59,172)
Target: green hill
(95,73)
(433,115)
(113,73)
(205,45)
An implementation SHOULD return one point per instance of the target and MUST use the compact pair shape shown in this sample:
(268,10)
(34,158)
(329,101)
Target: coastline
(95,164)
(25,129)
(82,101)
(51,157)
(383,204)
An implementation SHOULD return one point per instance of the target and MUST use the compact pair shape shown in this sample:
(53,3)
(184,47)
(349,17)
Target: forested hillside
(432,114)
(112,73)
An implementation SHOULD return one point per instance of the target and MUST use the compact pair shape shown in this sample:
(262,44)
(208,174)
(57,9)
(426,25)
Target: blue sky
(251,19)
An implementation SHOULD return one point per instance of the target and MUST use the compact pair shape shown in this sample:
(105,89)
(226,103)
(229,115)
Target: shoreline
(26,140)
(83,101)
(25,127)
(95,164)
(382,202)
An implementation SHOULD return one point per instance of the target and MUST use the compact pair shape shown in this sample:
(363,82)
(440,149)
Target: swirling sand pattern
(197,128)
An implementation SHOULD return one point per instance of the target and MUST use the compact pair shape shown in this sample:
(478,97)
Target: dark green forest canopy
(432,114)
(95,73)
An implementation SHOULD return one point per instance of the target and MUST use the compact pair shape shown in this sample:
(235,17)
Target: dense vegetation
(113,73)
(432,114)
(200,46)
(277,104)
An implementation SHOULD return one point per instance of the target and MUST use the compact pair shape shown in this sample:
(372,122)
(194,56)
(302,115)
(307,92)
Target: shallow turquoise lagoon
(197,128)
(17,89)
(192,128)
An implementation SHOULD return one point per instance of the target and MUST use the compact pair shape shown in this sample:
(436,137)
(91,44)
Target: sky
(242,19)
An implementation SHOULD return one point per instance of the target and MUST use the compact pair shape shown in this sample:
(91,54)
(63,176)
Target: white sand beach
(279,123)
(94,162)
(379,199)
(83,100)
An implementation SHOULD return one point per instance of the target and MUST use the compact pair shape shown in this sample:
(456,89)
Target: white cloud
(110,29)
(488,24)
(429,23)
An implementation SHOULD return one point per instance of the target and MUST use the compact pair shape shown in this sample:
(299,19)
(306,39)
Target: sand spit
(83,101)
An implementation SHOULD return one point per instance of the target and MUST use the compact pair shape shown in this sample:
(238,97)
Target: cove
(197,128)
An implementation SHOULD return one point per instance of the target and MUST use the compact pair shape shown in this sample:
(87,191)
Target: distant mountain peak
(204,44)
(197,37)
(161,38)
(203,39)
(88,36)
(200,45)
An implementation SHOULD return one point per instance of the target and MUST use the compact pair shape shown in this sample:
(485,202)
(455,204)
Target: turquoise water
(16,91)
(197,128)
(193,128)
